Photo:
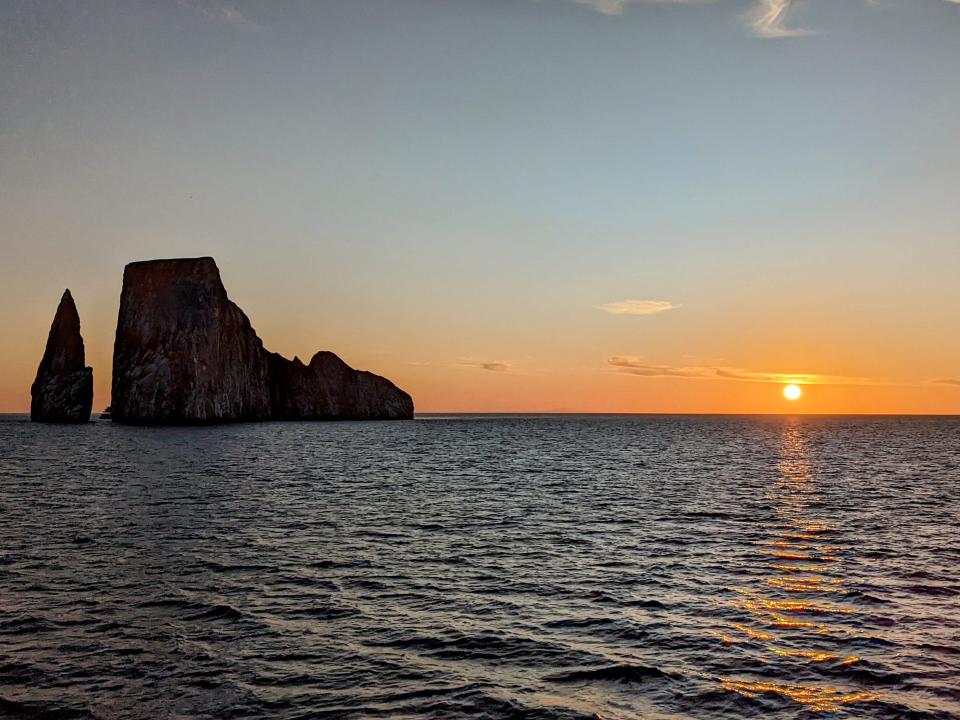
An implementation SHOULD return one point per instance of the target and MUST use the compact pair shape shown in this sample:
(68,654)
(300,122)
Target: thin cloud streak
(616,7)
(948,381)
(491,366)
(768,19)
(638,307)
(488,365)
(221,12)
(636,366)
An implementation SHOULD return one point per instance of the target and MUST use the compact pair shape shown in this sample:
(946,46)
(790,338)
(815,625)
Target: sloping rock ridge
(329,389)
(186,354)
(63,389)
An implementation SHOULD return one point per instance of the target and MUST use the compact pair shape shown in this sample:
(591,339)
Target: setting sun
(792,392)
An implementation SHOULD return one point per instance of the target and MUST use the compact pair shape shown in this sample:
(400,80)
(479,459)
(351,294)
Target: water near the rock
(554,567)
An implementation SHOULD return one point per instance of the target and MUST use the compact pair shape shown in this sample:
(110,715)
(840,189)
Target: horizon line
(522,413)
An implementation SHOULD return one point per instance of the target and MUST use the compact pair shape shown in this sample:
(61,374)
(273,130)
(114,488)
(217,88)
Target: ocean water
(482,567)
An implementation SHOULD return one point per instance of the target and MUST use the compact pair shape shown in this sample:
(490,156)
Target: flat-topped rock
(63,389)
(184,352)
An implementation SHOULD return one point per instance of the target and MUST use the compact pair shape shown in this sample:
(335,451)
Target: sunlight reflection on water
(803,533)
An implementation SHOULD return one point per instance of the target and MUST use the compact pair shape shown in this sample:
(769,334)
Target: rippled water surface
(545,567)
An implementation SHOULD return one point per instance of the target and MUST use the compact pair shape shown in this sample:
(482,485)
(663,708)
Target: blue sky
(431,186)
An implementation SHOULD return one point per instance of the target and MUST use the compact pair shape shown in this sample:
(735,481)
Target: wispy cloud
(637,366)
(488,365)
(616,7)
(638,307)
(948,381)
(221,11)
(492,366)
(768,19)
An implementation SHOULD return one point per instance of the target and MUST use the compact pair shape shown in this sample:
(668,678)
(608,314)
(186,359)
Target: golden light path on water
(803,553)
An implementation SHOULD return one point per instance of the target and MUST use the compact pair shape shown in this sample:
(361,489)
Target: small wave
(485,646)
(195,611)
(858,596)
(338,564)
(933,590)
(579,622)
(177,603)
(614,564)
(919,575)
(28,624)
(324,612)
(216,612)
(945,649)
(619,673)
(319,583)
(234,568)
(19,673)
(41,711)
(868,673)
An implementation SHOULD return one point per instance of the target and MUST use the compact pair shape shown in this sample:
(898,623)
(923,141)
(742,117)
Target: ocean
(483,567)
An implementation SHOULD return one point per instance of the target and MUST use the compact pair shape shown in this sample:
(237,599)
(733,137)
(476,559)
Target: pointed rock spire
(63,390)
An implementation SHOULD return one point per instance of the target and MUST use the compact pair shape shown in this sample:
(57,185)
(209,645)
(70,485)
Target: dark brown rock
(185,353)
(329,389)
(63,390)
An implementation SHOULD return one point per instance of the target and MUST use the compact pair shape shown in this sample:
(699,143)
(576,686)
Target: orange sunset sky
(519,206)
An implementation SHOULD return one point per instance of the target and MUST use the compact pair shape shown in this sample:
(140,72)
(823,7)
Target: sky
(506,205)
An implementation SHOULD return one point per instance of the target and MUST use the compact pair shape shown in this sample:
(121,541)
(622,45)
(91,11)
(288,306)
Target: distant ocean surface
(482,567)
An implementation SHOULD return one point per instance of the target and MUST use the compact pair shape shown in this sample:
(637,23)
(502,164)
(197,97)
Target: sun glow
(792,392)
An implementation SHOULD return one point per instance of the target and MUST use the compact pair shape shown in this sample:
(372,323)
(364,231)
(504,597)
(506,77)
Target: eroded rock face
(63,390)
(185,353)
(329,389)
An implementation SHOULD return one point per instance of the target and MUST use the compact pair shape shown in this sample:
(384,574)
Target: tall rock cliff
(184,353)
(63,390)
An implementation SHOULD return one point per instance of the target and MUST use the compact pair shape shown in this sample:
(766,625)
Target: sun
(792,392)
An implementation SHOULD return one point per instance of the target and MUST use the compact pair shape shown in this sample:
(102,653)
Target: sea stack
(186,354)
(63,390)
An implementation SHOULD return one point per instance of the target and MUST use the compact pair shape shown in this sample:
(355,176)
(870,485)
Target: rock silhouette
(329,389)
(185,353)
(63,389)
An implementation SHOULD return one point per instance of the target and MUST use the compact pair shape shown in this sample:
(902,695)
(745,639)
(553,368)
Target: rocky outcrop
(185,353)
(63,390)
(329,389)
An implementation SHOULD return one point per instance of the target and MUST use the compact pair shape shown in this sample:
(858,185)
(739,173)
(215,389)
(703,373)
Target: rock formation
(184,353)
(329,389)
(63,390)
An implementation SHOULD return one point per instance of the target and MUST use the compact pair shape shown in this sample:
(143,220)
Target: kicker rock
(63,390)
(329,389)
(185,354)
